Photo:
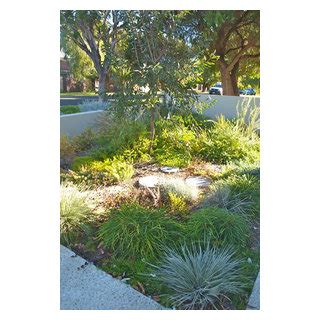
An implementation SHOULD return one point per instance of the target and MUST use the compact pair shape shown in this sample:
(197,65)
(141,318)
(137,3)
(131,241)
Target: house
(64,74)
(69,84)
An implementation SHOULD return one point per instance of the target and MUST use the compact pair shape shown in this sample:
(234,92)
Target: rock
(149,181)
(169,169)
(198,181)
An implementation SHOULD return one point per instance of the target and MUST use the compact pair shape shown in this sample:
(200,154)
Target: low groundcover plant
(134,231)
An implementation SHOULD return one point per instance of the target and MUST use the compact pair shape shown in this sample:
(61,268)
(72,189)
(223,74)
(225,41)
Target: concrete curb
(254,300)
(85,287)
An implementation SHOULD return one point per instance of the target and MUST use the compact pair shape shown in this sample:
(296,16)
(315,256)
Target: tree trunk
(152,128)
(229,81)
(234,79)
(102,85)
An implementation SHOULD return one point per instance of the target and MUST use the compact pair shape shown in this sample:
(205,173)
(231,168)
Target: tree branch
(250,56)
(237,57)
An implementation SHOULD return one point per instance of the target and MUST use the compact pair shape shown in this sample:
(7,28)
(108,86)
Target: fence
(73,124)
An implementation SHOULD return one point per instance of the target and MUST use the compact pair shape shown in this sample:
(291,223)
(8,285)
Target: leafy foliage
(80,162)
(67,149)
(133,231)
(69,109)
(94,32)
(85,140)
(177,140)
(233,36)
(126,137)
(220,226)
(177,203)
(198,277)
(88,170)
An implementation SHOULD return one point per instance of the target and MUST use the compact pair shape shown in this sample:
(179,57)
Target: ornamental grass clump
(226,142)
(221,227)
(74,212)
(233,140)
(93,105)
(135,232)
(237,193)
(223,197)
(179,187)
(199,277)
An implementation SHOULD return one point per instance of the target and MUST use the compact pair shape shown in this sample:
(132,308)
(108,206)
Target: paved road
(74,100)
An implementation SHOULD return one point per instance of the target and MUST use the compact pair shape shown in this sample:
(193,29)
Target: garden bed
(187,245)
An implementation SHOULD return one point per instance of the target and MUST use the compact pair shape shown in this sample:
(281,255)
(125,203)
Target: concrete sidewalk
(84,287)
(254,300)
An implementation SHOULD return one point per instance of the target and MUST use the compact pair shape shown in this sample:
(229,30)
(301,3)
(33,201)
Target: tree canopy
(169,51)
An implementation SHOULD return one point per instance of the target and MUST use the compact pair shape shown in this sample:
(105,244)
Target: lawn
(176,217)
(83,94)
(79,94)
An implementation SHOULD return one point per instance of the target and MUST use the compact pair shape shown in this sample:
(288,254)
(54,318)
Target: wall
(227,105)
(73,124)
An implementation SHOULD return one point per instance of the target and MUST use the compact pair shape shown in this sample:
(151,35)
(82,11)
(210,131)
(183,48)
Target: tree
(249,74)
(206,71)
(97,33)
(81,66)
(233,36)
(156,60)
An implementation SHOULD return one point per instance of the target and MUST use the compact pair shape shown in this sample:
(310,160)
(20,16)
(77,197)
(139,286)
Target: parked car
(248,92)
(216,89)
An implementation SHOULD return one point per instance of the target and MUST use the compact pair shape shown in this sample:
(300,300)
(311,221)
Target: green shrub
(67,150)
(69,109)
(93,172)
(100,153)
(176,143)
(220,226)
(133,231)
(139,151)
(197,277)
(172,158)
(226,142)
(120,134)
(84,140)
(80,162)
(74,213)
(177,203)
(114,170)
